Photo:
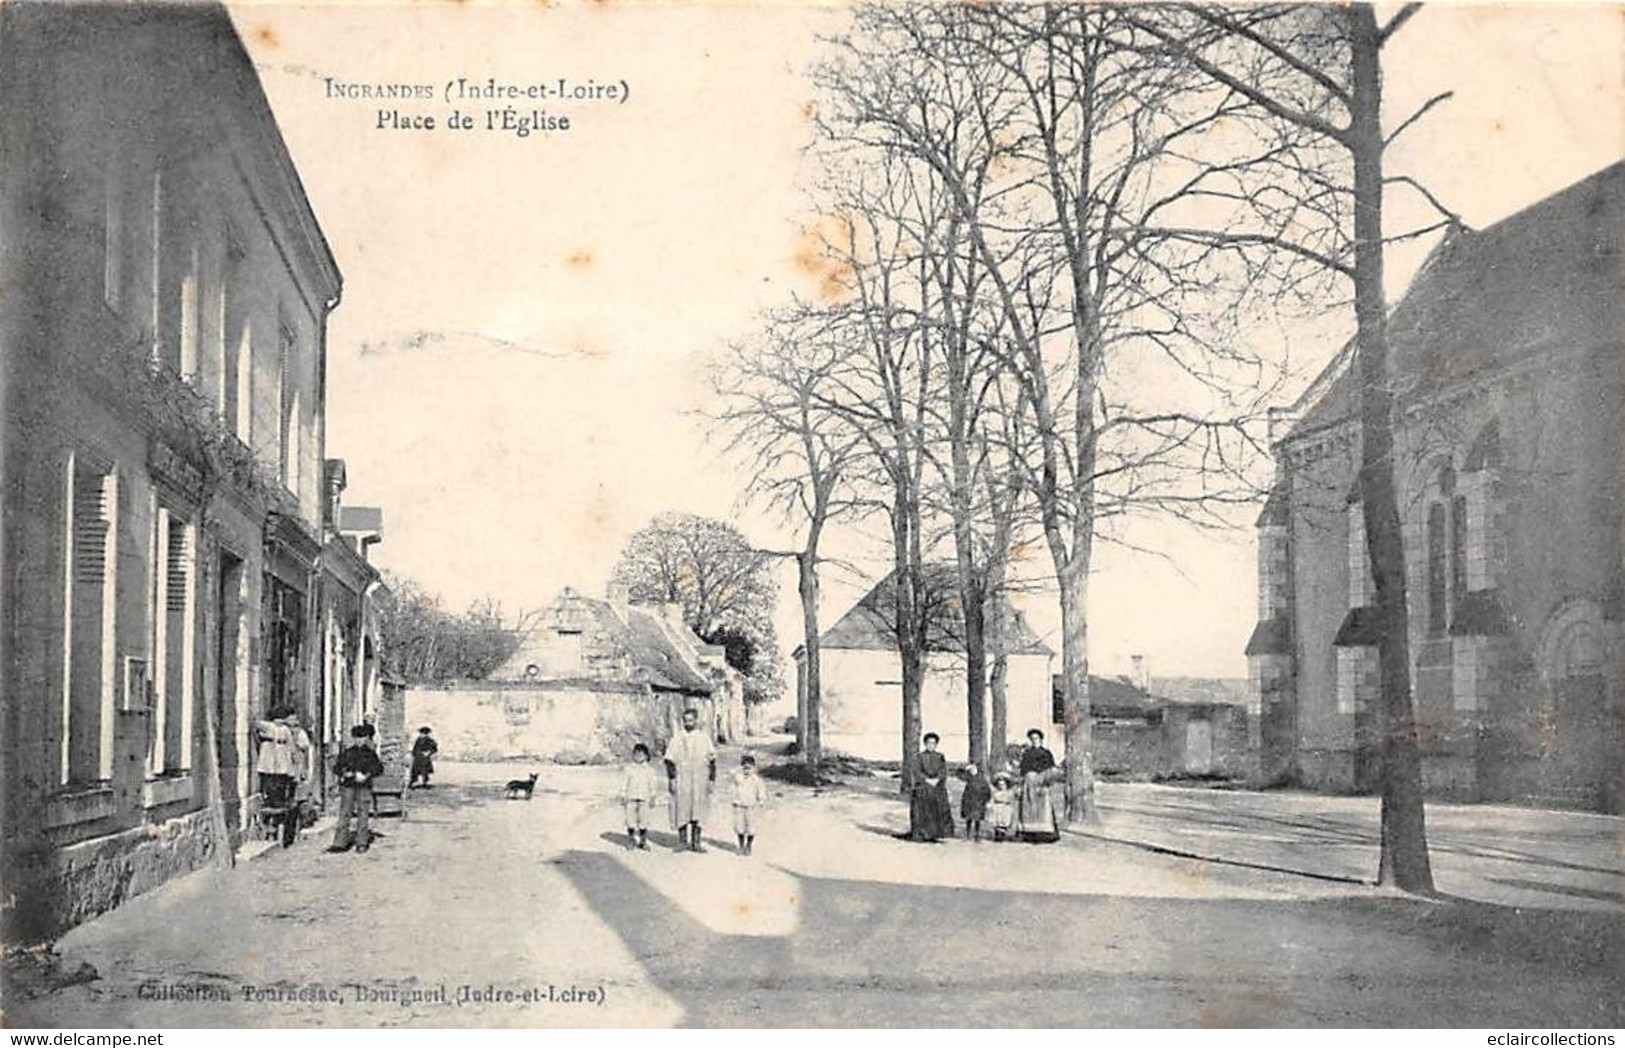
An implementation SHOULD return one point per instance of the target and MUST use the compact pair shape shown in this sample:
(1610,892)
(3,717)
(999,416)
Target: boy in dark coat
(356,767)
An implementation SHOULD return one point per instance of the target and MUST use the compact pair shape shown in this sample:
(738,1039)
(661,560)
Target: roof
(1360,629)
(1201,691)
(1548,275)
(1271,637)
(639,634)
(1277,508)
(1481,613)
(1114,695)
(653,653)
(361,518)
(871,623)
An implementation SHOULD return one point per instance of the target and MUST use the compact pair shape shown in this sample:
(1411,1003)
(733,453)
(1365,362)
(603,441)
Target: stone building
(861,673)
(350,588)
(1510,469)
(590,679)
(164,343)
(1145,728)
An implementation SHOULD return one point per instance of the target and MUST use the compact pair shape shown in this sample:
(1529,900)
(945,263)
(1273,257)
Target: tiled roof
(653,652)
(1200,691)
(871,623)
(1549,275)
(652,656)
(1112,695)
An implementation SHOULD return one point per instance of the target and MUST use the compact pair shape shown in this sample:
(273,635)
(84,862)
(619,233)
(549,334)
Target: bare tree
(879,295)
(1318,70)
(1089,142)
(775,414)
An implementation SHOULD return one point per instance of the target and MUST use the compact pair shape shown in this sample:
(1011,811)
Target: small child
(1004,806)
(749,793)
(973,802)
(638,796)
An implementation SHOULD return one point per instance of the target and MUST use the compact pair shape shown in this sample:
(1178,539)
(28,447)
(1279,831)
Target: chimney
(673,613)
(618,595)
(1142,672)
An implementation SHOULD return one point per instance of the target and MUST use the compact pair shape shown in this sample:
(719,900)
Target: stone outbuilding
(590,679)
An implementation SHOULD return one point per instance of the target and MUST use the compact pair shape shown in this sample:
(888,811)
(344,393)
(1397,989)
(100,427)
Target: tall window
(243,363)
(188,363)
(174,644)
(1458,548)
(113,242)
(284,385)
(295,446)
(156,243)
(91,578)
(235,361)
(1438,578)
(1362,587)
(215,307)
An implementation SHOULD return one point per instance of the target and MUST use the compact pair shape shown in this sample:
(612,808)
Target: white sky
(571,282)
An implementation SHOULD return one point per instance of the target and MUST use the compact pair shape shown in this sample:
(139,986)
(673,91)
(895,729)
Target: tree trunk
(970,591)
(810,729)
(910,634)
(998,736)
(225,852)
(995,601)
(972,602)
(1080,778)
(1404,857)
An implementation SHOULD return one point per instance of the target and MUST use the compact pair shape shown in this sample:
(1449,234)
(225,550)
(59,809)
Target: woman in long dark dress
(1036,813)
(929,816)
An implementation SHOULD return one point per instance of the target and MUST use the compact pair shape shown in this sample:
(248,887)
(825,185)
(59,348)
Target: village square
(1067,581)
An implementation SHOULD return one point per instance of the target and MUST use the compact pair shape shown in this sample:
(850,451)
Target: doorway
(228,611)
(1199,746)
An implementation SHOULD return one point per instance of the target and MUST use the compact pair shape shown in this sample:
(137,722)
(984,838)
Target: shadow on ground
(957,956)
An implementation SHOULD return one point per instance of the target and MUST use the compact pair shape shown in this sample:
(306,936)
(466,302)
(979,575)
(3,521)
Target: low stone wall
(69,885)
(1130,748)
(566,723)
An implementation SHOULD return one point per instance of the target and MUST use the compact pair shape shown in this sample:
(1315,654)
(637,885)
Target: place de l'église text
(517,108)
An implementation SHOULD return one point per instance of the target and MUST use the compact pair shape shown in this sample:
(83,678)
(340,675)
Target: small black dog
(525,786)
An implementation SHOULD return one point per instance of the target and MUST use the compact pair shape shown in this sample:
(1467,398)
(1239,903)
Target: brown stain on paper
(818,256)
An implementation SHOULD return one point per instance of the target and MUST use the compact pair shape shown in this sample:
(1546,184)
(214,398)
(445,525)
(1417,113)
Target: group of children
(639,787)
(983,800)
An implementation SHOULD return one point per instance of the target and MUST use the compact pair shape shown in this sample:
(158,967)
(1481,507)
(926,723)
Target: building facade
(861,673)
(1510,470)
(164,343)
(1143,728)
(591,678)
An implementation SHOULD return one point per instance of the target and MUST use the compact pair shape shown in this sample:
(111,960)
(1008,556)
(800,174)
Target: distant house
(1510,468)
(590,679)
(861,671)
(1168,727)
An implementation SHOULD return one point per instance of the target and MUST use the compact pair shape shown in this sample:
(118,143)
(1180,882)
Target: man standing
(356,767)
(300,760)
(691,768)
